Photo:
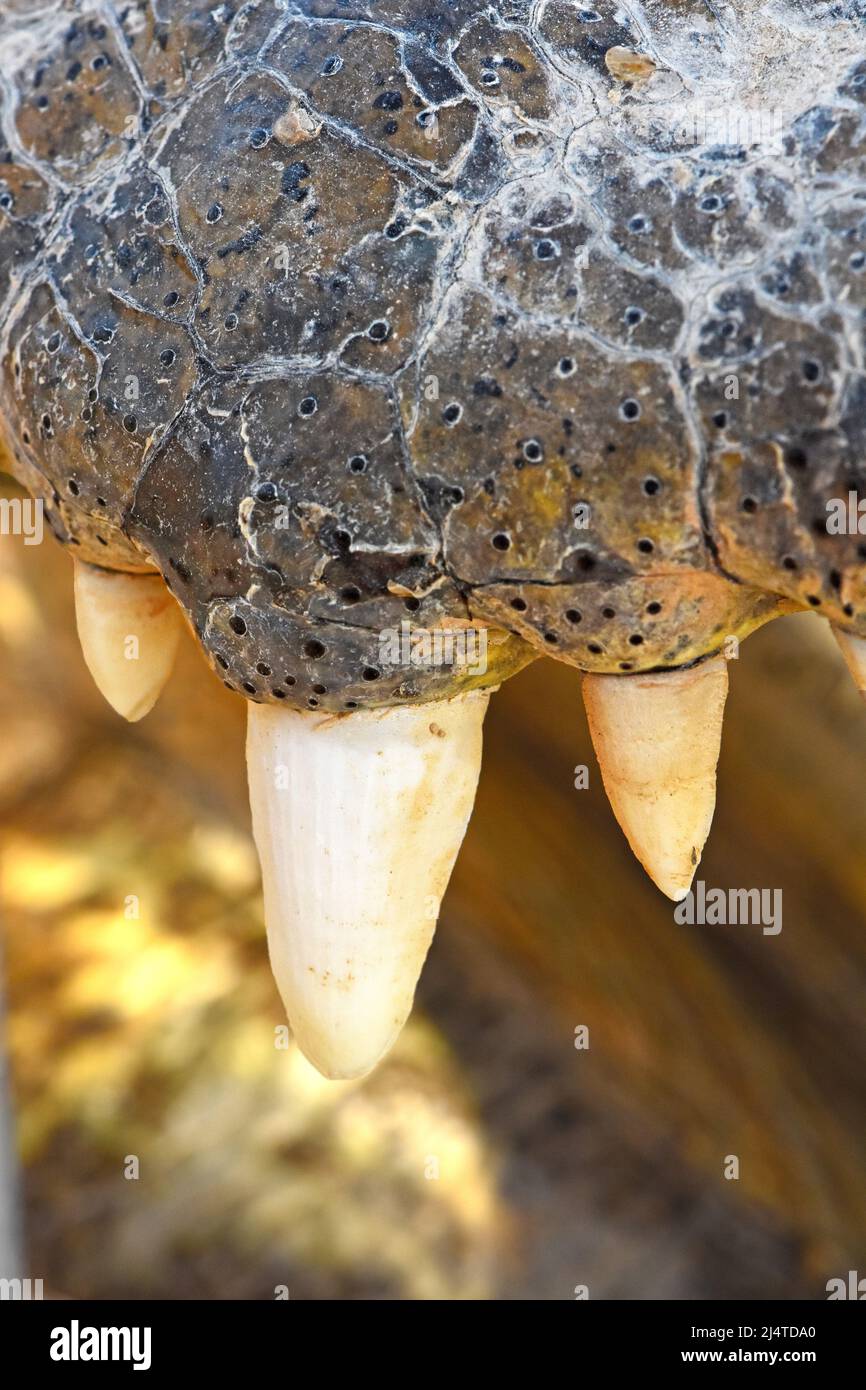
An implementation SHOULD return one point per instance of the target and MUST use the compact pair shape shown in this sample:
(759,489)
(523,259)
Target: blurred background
(488,1158)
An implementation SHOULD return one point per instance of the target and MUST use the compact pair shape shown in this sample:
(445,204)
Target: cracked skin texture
(346,315)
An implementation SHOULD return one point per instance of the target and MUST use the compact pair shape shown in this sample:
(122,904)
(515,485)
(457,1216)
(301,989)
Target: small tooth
(854,651)
(357,819)
(657,740)
(128,626)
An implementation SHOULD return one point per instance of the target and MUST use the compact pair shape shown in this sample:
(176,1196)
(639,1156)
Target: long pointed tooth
(128,626)
(358,819)
(657,740)
(854,651)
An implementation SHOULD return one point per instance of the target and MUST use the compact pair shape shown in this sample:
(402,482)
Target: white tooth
(128,626)
(657,740)
(358,819)
(854,651)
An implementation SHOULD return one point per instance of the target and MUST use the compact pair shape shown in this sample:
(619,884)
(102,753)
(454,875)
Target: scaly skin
(508,267)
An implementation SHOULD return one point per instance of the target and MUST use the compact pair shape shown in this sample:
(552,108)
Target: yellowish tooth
(128,626)
(357,819)
(854,651)
(657,740)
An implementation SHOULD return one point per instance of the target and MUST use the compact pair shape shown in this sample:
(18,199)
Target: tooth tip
(346,1032)
(672,878)
(675,889)
(854,651)
(131,710)
(333,1066)
(672,875)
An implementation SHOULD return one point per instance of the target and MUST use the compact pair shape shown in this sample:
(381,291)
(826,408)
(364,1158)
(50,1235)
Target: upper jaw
(358,816)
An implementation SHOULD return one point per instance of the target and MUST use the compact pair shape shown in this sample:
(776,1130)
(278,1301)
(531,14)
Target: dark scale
(374,358)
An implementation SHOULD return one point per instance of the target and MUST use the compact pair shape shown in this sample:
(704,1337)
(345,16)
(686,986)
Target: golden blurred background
(488,1158)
